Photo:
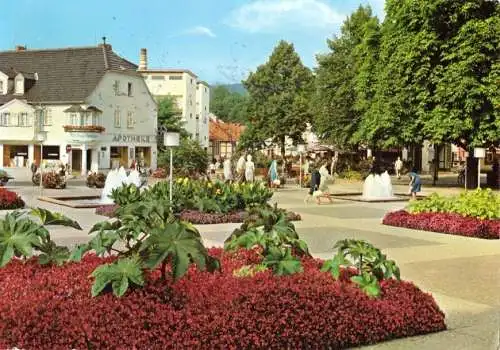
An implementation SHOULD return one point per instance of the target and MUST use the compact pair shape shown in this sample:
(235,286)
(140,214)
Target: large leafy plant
(22,234)
(371,264)
(269,228)
(480,203)
(145,235)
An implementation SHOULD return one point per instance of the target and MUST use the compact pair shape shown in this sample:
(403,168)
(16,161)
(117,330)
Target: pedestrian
(249,169)
(228,172)
(323,190)
(398,166)
(315,182)
(415,183)
(273,174)
(240,168)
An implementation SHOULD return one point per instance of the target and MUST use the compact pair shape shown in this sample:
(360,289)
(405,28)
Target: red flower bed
(10,200)
(454,224)
(160,173)
(196,217)
(51,308)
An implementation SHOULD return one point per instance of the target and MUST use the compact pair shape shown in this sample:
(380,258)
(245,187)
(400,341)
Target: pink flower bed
(454,224)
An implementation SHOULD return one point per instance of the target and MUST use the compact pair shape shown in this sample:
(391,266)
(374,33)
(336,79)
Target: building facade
(86,107)
(192,96)
(224,138)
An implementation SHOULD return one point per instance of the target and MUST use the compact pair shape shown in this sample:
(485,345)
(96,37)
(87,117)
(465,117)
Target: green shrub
(480,203)
(351,175)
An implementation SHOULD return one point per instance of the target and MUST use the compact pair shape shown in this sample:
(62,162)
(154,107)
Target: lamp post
(41,138)
(171,139)
(301,149)
(479,153)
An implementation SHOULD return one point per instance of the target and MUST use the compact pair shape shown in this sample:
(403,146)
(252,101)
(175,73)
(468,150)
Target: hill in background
(238,88)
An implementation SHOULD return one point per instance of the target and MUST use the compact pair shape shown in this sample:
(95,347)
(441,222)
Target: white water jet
(134,178)
(117,178)
(378,187)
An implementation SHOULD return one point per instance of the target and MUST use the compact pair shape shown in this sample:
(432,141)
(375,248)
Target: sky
(219,40)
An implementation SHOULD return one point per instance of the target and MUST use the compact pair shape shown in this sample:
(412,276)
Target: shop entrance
(143,156)
(76,160)
(119,157)
(15,155)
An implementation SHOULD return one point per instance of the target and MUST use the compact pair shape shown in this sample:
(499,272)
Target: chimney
(20,48)
(143,60)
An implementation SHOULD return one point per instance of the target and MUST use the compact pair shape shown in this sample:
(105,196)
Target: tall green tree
(227,105)
(279,92)
(344,79)
(170,116)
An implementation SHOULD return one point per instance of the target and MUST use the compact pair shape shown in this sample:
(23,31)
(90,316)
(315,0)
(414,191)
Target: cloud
(200,30)
(272,15)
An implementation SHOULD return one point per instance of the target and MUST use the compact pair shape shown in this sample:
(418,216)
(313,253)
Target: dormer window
(19,87)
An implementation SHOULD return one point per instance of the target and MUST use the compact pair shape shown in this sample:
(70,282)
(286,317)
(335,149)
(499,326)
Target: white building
(87,106)
(192,95)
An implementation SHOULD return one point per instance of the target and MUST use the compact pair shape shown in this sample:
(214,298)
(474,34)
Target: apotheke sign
(134,138)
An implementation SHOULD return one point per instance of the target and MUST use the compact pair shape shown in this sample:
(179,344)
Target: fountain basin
(80,202)
(358,197)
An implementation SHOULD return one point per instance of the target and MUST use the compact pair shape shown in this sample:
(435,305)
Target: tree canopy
(430,71)
(169,115)
(279,93)
(227,105)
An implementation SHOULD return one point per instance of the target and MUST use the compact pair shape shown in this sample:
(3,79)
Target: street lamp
(301,148)
(171,139)
(41,138)
(479,153)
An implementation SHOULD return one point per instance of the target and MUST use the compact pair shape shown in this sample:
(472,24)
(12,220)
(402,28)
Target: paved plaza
(462,273)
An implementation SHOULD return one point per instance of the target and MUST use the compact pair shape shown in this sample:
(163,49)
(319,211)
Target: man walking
(398,166)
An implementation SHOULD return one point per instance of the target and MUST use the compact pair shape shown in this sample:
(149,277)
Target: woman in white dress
(228,172)
(249,169)
(323,185)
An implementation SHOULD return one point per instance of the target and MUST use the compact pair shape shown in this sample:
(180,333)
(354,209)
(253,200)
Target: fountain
(378,187)
(115,179)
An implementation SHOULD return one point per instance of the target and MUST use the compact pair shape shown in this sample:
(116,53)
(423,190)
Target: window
(4,120)
(197,116)
(88,118)
(129,89)
(19,86)
(73,119)
(95,119)
(158,77)
(175,77)
(118,119)
(1,86)
(191,81)
(116,87)
(191,115)
(205,89)
(130,120)
(48,117)
(22,119)
(205,107)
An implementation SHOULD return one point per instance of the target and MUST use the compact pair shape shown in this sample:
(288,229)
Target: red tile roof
(220,131)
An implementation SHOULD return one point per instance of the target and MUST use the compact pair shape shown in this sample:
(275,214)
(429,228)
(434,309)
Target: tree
(344,79)
(169,115)
(189,159)
(279,93)
(228,106)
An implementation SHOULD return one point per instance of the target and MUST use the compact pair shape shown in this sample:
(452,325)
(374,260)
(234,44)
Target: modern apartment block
(192,95)
(85,106)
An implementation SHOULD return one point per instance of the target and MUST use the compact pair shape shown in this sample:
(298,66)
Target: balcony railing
(84,128)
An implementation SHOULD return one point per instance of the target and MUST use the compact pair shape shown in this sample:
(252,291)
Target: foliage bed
(51,179)
(51,308)
(481,203)
(96,180)
(10,200)
(450,223)
(200,195)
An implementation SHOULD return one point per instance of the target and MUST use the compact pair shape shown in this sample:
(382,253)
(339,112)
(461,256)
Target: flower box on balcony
(84,128)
